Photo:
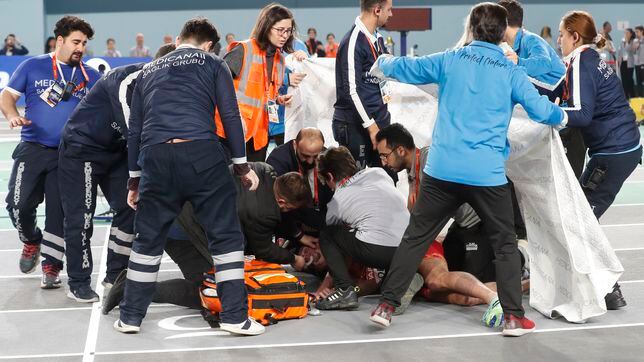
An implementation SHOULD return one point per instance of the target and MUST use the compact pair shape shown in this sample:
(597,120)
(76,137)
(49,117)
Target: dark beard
(73,62)
(306,166)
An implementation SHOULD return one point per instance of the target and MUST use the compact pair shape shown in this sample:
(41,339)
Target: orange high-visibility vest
(253,91)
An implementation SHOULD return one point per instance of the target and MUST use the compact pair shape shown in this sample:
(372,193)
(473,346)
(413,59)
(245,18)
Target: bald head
(308,145)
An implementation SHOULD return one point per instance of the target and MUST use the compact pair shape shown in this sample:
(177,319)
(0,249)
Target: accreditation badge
(272,107)
(52,95)
(385,91)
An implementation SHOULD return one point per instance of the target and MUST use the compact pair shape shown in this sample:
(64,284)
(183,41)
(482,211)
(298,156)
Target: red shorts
(435,250)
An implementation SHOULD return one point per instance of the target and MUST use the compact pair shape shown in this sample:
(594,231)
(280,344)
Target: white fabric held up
(572,263)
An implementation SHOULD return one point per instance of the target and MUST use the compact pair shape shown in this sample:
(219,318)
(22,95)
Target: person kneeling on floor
(365,221)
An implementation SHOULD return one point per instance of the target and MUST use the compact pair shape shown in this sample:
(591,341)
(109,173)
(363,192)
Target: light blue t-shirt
(478,89)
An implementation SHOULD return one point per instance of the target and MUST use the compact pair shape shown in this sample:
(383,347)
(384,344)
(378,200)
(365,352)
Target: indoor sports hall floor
(37,324)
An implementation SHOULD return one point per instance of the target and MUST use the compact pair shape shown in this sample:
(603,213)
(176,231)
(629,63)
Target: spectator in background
(639,60)
(50,45)
(13,47)
(313,45)
(167,39)
(626,60)
(230,37)
(608,51)
(331,48)
(111,49)
(546,34)
(140,50)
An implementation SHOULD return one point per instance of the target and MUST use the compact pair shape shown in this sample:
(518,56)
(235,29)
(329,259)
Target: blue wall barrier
(8,65)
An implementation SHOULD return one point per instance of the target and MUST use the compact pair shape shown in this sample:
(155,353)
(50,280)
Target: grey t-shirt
(369,203)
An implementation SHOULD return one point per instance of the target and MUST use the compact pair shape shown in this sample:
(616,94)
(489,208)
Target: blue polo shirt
(31,79)
(478,89)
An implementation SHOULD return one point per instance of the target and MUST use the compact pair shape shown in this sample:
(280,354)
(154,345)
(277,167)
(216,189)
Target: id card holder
(52,95)
(385,91)
(272,107)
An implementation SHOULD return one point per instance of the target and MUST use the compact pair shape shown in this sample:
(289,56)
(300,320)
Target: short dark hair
(330,34)
(311,30)
(200,30)
(268,16)
(69,23)
(294,189)
(515,12)
(366,5)
(396,135)
(165,49)
(109,40)
(488,22)
(640,28)
(338,162)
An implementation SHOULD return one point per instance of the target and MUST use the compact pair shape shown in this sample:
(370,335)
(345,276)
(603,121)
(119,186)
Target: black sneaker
(115,295)
(29,258)
(83,294)
(341,299)
(615,299)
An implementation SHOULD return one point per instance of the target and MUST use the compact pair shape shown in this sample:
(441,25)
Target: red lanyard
(54,68)
(344,181)
(417,180)
(267,83)
(373,49)
(566,92)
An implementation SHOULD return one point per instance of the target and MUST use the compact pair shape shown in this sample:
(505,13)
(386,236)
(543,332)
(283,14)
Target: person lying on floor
(259,213)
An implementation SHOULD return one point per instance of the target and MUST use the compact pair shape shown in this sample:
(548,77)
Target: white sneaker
(126,328)
(248,327)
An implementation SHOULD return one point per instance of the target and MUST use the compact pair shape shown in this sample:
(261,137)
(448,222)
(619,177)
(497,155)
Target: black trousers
(251,154)
(356,138)
(437,201)
(338,243)
(575,147)
(639,80)
(171,175)
(193,264)
(79,177)
(34,178)
(627,80)
(601,190)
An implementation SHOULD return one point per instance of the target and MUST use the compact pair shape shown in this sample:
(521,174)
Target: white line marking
(43,310)
(621,225)
(34,276)
(630,281)
(628,249)
(95,317)
(30,356)
(621,205)
(634,182)
(359,341)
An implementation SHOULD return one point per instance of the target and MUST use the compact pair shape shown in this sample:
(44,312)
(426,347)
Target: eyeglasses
(384,156)
(282,31)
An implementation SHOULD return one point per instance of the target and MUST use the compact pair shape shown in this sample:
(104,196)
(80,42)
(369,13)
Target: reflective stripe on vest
(250,88)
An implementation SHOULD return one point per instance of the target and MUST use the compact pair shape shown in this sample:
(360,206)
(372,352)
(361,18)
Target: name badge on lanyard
(271,104)
(385,89)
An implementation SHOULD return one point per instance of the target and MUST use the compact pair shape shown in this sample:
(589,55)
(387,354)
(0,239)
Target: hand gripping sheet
(572,263)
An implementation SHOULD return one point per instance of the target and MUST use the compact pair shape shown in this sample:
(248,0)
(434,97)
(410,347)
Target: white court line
(629,249)
(630,281)
(95,317)
(327,343)
(361,341)
(95,228)
(621,225)
(34,276)
(621,205)
(43,310)
(634,182)
(42,356)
